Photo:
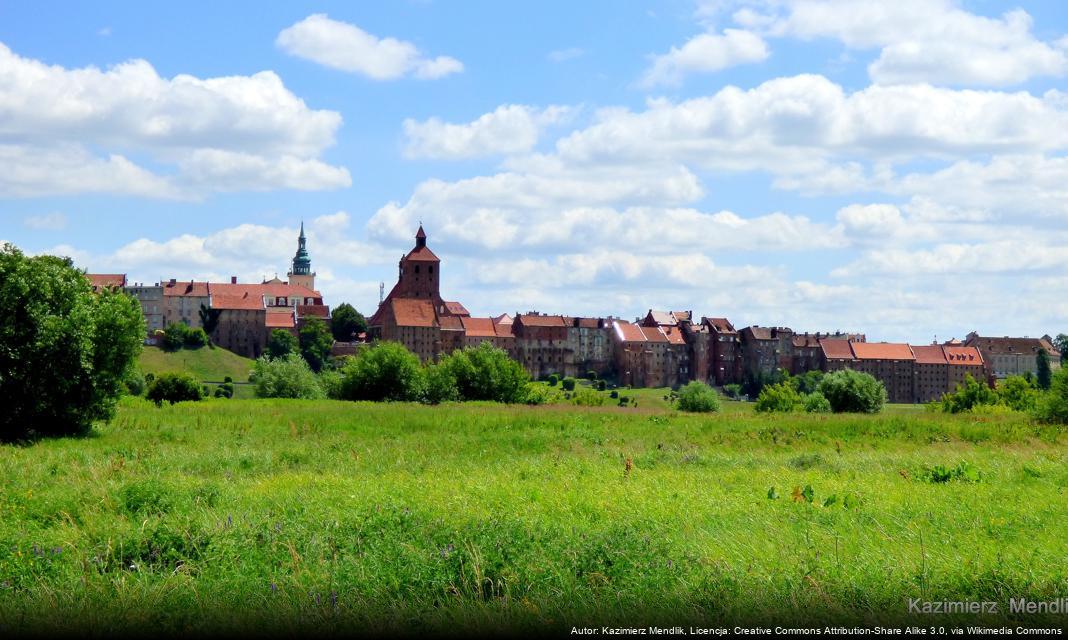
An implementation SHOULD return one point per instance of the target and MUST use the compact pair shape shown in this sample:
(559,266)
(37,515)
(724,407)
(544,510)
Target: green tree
(209,318)
(698,397)
(282,343)
(815,402)
(440,384)
(288,376)
(346,321)
(1044,373)
(781,397)
(315,343)
(1053,405)
(1061,344)
(851,391)
(384,371)
(807,382)
(487,373)
(968,396)
(1018,393)
(174,387)
(195,338)
(174,336)
(64,352)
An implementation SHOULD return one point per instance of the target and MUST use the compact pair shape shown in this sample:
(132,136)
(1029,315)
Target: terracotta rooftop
(541,321)
(628,332)
(456,309)
(451,323)
(662,317)
(722,325)
(882,351)
(683,316)
(280,319)
(504,318)
(195,289)
(674,335)
(413,312)
(963,356)
(421,254)
(317,310)
(654,334)
(1012,346)
(243,302)
(266,289)
(586,323)
(504,329)
(929,354)
(837,349)
(479,327)
(106,280)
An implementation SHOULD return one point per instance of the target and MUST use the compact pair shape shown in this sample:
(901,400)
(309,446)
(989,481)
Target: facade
(650,356)
(542,346)
(931,373)
(765,349)
(151,299)
(182,302)
(726,362)
(1007,356)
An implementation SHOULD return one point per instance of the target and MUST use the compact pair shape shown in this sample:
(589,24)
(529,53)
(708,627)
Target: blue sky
(896,168)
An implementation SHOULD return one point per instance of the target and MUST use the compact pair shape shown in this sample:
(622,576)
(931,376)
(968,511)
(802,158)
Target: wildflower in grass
(274,588)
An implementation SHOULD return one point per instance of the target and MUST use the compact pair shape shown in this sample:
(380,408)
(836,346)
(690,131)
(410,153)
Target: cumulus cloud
(509,129)
(705,53)
(46,222)
(51,116)
(346,47)
(920,41)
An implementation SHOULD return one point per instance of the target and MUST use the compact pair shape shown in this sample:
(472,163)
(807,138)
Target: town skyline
(779,164)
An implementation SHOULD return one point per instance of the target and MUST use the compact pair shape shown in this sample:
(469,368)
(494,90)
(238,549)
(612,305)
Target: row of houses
(670,348)
(240,316)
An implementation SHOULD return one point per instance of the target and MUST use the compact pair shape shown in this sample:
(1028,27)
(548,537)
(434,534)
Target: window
(417,268)
(430,269)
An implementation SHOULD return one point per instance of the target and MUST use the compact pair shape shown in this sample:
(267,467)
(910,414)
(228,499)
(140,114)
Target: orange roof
(106,280)
(674,335)
(504,329)
(504,318)
(653,334)
(456,309)
(271,289)
(195,289)
(413,312)
(479,327)
(882,351)
(451,323)
(586,323)
(722,325)
(963,356)
(628,332)
(929,354)
(421,254)
(317,310)
(242,302)
(542,321)
(280,319)
(837,349)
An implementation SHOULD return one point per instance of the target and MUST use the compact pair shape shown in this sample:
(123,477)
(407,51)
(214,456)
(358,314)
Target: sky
(896,168)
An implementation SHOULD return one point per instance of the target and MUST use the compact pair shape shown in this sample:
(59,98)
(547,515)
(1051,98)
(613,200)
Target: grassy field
(206,364)
(290,515)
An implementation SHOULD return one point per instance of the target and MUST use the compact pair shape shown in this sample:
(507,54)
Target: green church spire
(301,261)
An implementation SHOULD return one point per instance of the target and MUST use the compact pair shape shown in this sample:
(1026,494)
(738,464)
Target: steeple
(420,237)
(301,273)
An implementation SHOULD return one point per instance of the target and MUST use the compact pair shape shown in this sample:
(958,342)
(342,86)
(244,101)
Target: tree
(315,343)
(1053,405)
(815,402)
(1044,373)
(440,384)
(807,382)
(698,397)
(64,352)
(346,322)
(487,373)
(1018,393)
(1061,343)
(781,397)
(174,336)
(195,338)
(209,318)
(851,391)
(174,387)
(288,376)
(384,371)
(968,396)
(282,343)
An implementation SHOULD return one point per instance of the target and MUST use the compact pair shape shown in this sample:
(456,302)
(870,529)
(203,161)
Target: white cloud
(346,47)
(51,116)
(705,53)
(563,55)
(920,41)
(46,222)
(509,129)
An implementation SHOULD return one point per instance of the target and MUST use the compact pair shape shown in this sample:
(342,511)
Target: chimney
(233,279)
(174,281)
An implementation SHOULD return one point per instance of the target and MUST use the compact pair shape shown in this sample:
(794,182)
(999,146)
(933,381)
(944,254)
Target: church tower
(419,272)
(301,273)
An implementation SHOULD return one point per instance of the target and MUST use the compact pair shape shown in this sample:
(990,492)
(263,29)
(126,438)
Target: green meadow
(247,515)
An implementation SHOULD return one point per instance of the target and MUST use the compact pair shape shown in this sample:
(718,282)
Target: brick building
(1007,356)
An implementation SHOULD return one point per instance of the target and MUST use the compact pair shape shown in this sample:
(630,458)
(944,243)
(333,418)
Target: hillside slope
(209,365)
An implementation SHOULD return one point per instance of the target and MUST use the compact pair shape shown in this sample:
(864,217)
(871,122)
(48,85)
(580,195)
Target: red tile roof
(270,289)
(479,327)
(194,289)
(542,321)
(586,323)
(237,302)
(882,351)
(722,325)
(280,319)
(661,317)
(837,349)
(504,329)
(106,280)
(963,356)
(628,332)
(1012,346)
(421,254)
(929,354)
(451,323)
(456,309)
(674,335)
(413,312)
(317,310)
(503,318)
(653,334)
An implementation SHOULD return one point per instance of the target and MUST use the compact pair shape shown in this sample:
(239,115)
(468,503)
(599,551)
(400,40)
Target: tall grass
(289,515)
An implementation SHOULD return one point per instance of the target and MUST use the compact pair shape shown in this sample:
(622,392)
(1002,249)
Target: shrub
(1018,393)
(815,402)
(536,394)
(553,380)
(174,337)
(288,377)
(282,343)
(781,397)
(808,382)
(487,373)
(195,338)
(568,384)
(698,397)
(135,383)
(440,384)
(1053,405)
(64,352)
(601,385)
(968,396)
(149,377)
(330,382)
(851,391)
(220,392)
(733,391)
(384,371)
(614,394)
(174,387)
(315,343)
(587,398)
(591,375)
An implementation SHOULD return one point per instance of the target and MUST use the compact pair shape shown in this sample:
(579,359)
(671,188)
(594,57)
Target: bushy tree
(851,391)
(285,377)
(384,371)
(1061,343)
(346,321)
(64,352)
(209,318)
(1043,371)
(135,383)
(174,336)
(756,381)
(330,380)
(698,397)
(553,379)
(1053,405)
(781,397)
(733,391)
(1018,393)
(195,338)
(568,384)
(175,387)
(315,343)
(815,402)
(487,373)
(440,384)
(808,382)
(587,398)
(282,343)
(968,396)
